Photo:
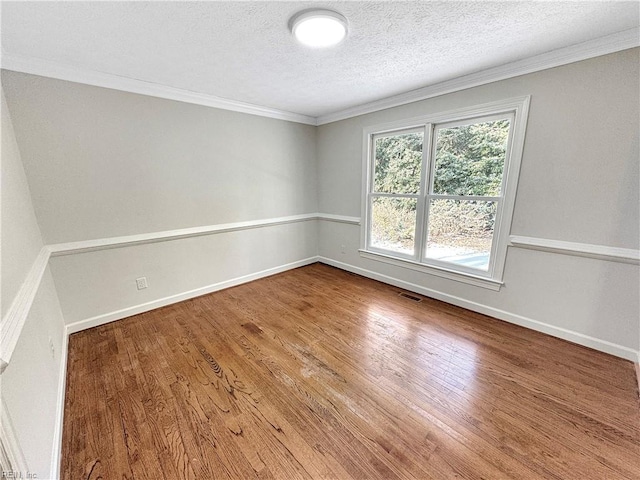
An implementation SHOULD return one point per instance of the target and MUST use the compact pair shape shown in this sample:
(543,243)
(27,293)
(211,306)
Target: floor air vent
(410,297)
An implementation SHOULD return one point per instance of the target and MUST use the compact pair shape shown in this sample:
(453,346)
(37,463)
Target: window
(440,190)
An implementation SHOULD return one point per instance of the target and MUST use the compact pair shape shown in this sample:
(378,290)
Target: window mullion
(423,202)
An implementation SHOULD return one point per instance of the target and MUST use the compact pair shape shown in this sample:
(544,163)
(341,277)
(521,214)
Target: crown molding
(46,68)
(563,56)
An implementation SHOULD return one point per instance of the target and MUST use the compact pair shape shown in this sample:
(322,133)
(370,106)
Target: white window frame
(516,109)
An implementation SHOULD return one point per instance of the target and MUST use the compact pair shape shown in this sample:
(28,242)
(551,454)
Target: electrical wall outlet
(141,283)
(52,347)
(343,249)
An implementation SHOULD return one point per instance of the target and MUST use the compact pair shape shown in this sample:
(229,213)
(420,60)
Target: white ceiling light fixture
(318,28)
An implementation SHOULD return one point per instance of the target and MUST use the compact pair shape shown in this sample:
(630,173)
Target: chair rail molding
(69,248)
(329,217)
(599,252)
(15,317)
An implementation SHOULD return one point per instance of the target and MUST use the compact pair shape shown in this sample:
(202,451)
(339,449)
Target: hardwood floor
(318,373)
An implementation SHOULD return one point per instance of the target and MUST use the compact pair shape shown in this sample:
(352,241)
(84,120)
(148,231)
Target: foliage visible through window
(470,159)
(443,211)
(398,165)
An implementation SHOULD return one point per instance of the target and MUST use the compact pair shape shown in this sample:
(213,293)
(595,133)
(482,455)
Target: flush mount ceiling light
(318,28)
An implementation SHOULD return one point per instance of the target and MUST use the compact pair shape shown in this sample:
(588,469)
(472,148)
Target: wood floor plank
(318,373)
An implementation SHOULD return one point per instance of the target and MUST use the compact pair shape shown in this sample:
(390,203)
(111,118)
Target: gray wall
(578,182)
(103,163)
(30,384)
(98,283)
(21,240)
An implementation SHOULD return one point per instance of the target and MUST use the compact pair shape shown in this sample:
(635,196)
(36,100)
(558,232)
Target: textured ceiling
(243,50)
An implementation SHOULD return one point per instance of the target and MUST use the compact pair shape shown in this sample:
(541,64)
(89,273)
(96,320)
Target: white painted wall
(579,182)
(30,384)
(103,163)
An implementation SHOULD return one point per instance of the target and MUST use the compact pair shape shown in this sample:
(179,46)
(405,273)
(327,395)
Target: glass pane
(470,159)
(461,232)
(398,161)
(393,224)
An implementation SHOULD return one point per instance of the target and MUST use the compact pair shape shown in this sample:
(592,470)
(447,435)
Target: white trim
(17,314)
(127,312)
(128,240)
(46,68)
(433,270)
(329,217)
(593,48)
(70,248)
(563,56)
(161,302)
(599,252)
(15,317)
(510,185)
(9,441)
(517,110)
(450,116)
(563,333)
(56,453)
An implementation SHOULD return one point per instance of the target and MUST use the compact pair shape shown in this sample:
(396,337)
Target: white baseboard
(56,454)
(162,302)
(134,310)
(571,336)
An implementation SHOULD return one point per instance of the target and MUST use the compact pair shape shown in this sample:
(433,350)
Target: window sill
(477,281)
